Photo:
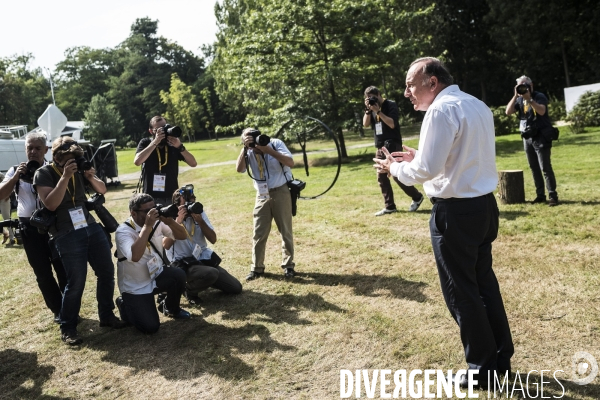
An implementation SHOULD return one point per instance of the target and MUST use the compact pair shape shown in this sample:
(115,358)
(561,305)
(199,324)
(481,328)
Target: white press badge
(197,252)
(154,267)
(78,217)
(378,129)
(523,125)
(263,190)
(159,183)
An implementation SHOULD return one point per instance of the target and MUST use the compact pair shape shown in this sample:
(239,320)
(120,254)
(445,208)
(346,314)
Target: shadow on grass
(512,215)
(22,377)
(188,349)
(367,285)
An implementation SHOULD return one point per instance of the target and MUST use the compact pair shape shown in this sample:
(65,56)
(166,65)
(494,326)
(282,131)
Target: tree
(183,107)
(102,121)
(282,59)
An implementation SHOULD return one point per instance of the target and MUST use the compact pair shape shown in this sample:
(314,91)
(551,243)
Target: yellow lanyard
(130,223)
(190,235)
(261,168)
(526,108)
(160,165)
(72,178)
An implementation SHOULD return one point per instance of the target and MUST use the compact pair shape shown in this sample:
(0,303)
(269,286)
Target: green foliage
(504,124)
(24,92)
(587,111)
(102,121)
(557,109)
(183,107)
(132,144)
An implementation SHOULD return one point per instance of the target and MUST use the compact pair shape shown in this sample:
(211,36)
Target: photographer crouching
(269,160)
(42,257)
(200,263)
(141,270)
(77,237)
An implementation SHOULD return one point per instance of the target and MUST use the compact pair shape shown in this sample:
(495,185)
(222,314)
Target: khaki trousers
(277,207)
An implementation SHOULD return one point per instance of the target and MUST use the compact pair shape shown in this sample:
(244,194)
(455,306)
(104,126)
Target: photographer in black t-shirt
(537,132)
(382,116)
(160,155)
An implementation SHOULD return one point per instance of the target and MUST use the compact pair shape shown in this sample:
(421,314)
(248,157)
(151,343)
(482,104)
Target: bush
(587,110)
(131,144)
(557,109)
(504,124)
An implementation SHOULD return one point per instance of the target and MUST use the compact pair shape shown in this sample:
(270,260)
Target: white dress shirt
(134,277)
(457,149)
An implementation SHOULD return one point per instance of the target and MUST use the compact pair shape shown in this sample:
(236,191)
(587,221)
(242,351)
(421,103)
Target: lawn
(366,296)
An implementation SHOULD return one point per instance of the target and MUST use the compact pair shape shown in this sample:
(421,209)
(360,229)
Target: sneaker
(289,272)
(539,199)
(71,338)
(414,206)
(114,323)
(385,211)
(553,202)
(253,275)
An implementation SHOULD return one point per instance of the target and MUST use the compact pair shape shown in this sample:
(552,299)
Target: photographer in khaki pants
(270,162)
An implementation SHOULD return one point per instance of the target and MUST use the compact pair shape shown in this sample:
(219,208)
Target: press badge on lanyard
(154,267)
(78,218)
(523,125)
(197,252)
(159,182)
(378,129)
(263,190)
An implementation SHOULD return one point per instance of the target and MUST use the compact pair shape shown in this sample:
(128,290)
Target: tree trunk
(564,57)
(511,187)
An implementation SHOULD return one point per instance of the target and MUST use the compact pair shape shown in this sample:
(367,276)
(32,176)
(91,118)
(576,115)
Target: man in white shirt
(200,263)
(456,165)
(271,170)
(42,257)
(141,270)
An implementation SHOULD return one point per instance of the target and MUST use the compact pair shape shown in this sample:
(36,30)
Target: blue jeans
(76,248)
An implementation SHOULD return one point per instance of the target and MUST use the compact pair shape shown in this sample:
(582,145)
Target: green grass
(367,294)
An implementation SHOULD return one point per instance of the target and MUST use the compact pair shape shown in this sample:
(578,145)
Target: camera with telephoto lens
(523,88)
(10,223)
(194,207)
(259,139)
(168,211)
(373,100)
(171,130)
(30,169)
(83,164)
(95,203)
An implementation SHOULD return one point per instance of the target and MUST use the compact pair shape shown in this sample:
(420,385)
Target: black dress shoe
(539,200)
(253,275)
(114,323)
(289,272)
(464,381)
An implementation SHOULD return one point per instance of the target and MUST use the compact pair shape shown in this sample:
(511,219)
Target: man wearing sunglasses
(141,269)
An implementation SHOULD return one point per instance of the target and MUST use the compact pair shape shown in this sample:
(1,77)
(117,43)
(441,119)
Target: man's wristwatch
(181,148)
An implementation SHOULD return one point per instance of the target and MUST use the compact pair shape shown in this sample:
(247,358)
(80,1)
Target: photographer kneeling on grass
(200,263)
(269,160)
(77,237)
(141,270)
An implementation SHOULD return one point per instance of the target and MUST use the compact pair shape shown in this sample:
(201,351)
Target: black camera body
(187,192)
(373,100)
(96,203)
(194,207)
(523,88)
(83,164)
(259,138)
(168,211)
(31,167)
(171,130)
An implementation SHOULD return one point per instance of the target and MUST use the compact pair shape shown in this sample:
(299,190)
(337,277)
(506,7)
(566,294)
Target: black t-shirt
(390,109)
(543,121)
(47,176)
(168,154)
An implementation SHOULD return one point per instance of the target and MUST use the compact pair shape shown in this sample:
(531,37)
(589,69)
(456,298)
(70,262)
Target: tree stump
(511,187)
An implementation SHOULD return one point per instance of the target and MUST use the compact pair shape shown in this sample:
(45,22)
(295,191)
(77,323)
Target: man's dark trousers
(41,258)
(462,232)
(539,162)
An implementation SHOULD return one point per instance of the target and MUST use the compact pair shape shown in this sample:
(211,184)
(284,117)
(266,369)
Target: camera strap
(261,163)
